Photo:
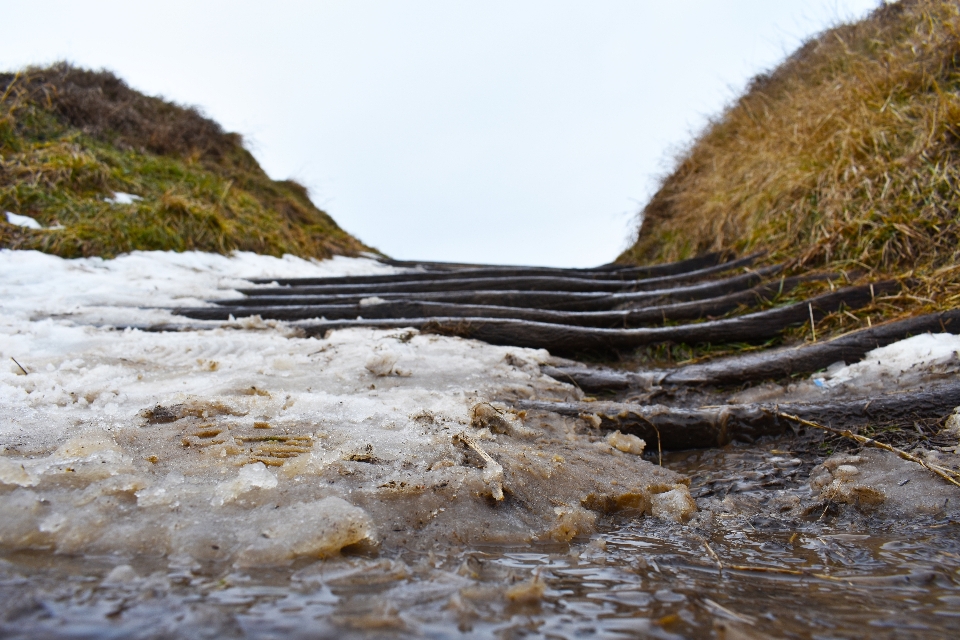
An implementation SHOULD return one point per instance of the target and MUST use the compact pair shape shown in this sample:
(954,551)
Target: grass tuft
(70,138)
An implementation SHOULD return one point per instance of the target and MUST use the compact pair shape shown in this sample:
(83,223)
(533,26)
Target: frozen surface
(163,485)
(765,557)
(246,444)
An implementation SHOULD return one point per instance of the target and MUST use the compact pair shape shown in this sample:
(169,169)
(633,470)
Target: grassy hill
(71,138)
(847,156)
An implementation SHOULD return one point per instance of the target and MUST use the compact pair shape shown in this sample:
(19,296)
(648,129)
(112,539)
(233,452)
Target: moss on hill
(847,156)
(71,138)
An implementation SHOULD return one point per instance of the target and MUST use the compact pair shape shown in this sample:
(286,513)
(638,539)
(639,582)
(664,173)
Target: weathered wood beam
(814,356)
(567,338)
(774,364)
(511,283)
(667,268)
(716,426)
(421,272)
(558,300)
(622,318)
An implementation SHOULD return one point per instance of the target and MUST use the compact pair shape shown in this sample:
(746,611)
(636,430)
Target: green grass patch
(70,139)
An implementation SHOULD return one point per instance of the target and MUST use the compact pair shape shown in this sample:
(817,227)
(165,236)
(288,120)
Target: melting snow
(910,363)
(249,444)
(904,362)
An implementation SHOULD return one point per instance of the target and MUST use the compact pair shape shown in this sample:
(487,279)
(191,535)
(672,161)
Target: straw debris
(492,471)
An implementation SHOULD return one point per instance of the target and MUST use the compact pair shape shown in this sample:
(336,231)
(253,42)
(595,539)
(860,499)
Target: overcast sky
(522,132)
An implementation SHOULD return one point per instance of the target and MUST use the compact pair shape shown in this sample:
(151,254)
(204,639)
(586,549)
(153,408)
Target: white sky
(498,131)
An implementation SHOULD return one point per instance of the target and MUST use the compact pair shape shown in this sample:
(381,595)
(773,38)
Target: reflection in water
(747,567)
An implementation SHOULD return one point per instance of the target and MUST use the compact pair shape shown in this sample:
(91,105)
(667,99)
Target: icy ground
(248,444)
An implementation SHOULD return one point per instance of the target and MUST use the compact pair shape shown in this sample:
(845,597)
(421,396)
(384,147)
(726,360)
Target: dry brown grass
(69,138)
(845,157)
(104,107)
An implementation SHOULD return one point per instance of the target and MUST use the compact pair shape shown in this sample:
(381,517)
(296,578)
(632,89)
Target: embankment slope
(845,157)
(71,138)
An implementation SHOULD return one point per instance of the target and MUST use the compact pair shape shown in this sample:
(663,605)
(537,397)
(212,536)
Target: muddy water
(752,565)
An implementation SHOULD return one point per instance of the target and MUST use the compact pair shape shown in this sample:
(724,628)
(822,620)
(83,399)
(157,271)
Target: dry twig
(19,365)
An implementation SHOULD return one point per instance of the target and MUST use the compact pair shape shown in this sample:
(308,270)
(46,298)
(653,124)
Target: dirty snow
(248,444)
(874,480)
(906,363)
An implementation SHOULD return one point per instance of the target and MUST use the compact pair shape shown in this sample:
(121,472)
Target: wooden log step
(813,357)
(667,268)
(502,283)
(558,300)
(561,338)
(620,272)
(428,282)
(624,318)
(754,367)
(677,429)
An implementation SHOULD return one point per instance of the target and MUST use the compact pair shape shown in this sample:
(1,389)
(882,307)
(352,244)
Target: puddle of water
(756,572)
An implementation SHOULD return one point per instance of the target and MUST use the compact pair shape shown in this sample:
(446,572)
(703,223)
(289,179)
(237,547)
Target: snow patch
(907,364)
(903,362)
(245,443)
(120,197)
(137,288)
(22,221)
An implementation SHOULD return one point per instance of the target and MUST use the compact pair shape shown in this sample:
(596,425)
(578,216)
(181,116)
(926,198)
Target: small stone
(484,415)
(952,425)
(832,463)
(382,363)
